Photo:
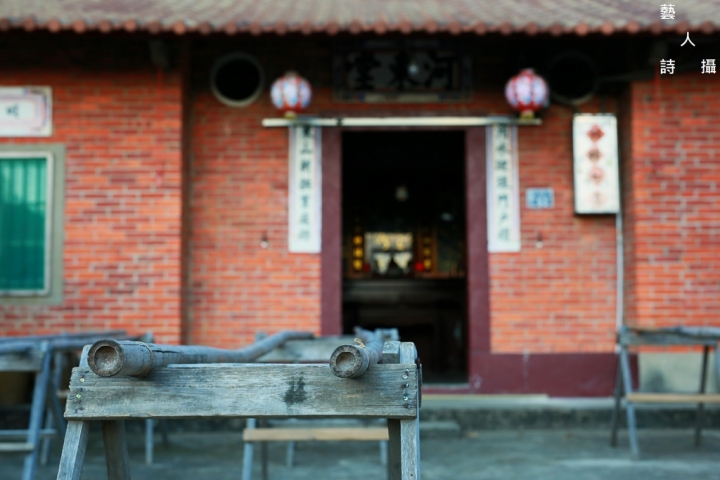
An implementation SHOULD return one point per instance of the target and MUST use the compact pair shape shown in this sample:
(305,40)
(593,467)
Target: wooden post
(617,394)
(629,407)
(404,444)
(701,406)
(42,378)
(116,455)
(248,449)
(73,452)
(75,444)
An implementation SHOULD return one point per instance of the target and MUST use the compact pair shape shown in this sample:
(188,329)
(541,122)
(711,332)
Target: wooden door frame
(478,277)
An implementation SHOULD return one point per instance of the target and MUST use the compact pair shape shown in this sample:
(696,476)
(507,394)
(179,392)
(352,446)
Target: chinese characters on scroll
(305,189)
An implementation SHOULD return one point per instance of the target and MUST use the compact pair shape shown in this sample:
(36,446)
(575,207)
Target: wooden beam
(404,443)
(16,447)
(640,397)
(19,362)
(22,434)
(398,121)
(247,390)
(314,434)
(116,455)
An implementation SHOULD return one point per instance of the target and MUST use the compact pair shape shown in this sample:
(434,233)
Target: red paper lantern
(291,93)
(527,93)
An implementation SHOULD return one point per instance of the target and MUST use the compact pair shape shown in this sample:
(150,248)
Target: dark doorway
(404,252)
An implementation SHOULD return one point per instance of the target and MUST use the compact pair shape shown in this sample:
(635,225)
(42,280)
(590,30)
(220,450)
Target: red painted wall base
(554,374)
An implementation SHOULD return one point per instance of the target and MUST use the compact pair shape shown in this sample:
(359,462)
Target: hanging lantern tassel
(527,93)
(291,94)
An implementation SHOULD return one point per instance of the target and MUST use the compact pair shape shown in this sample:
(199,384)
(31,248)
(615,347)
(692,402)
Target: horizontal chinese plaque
(25,112)
(403,72)
(595,164)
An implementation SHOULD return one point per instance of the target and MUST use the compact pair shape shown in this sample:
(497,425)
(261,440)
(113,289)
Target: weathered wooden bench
(390,390)
(705,337)
(314,350)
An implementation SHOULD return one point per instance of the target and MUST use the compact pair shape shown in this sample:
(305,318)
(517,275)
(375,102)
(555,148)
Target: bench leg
(701,406)
(116,455)
(629,407)
(37,413)
(248,448)
(73,452)
(164,432)
(46,442)
(264,459)
(617,394)
(149,441)
(290,454)
(56,413)
(404,449)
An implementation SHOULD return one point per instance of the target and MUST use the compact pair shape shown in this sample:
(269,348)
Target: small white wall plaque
(25,111)
(595,164)
(503,193)
(305,190)
(539,198)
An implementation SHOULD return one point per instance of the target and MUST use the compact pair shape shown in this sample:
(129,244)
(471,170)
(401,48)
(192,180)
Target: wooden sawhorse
(389,390)
(707,337)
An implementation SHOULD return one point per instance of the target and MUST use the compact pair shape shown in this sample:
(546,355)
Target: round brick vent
(237,79)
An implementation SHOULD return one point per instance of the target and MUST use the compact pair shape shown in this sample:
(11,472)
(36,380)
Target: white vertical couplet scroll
(304,190)
(595,164)
(503,192)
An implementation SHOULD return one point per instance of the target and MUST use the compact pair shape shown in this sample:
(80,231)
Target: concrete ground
(560,454)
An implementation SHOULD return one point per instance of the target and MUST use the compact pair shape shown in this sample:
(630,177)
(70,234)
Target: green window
(30,223)
(24,224)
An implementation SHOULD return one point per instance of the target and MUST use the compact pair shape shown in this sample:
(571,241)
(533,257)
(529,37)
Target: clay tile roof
(555,17)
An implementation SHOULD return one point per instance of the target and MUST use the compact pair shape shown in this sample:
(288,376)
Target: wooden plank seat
(315,434)
(647,397)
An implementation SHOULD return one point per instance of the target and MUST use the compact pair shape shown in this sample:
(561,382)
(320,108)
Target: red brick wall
(239,195)
(560,297)
(121,127)
(122,255)
(676,208)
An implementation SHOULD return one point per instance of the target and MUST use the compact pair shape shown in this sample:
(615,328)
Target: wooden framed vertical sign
(304,190)
(503,194)
(595,164)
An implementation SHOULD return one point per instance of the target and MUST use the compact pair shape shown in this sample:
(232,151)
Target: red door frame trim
(478,279)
